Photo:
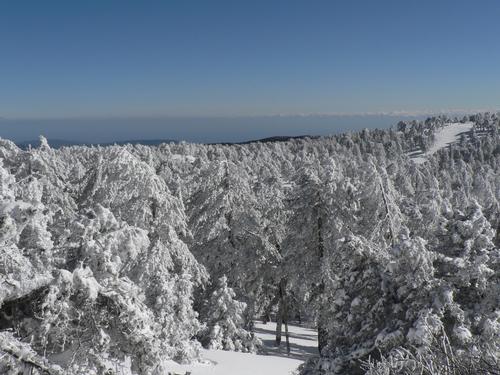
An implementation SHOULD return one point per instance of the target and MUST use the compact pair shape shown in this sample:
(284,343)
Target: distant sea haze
(190,129)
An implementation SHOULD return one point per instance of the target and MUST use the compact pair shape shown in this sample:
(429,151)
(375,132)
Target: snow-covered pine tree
(225,322)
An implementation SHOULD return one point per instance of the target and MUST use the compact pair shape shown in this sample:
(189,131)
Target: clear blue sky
(244,58)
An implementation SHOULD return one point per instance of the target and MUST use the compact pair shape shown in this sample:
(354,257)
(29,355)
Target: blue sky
(134,59)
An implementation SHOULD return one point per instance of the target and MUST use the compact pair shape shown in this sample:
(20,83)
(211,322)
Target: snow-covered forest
(121,259)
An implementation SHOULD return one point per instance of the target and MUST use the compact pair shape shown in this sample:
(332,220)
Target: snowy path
(272,361)
(449,134)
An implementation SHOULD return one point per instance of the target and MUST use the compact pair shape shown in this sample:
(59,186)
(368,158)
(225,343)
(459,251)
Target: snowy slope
(272,361)
(445,136)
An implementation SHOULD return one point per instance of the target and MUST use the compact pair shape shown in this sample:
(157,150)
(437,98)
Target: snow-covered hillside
(450,133)
(271,361)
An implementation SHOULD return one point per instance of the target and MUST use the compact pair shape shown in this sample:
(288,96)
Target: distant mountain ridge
(278,138)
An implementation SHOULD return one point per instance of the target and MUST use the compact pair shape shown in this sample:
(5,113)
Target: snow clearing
(272,360)
(447,135)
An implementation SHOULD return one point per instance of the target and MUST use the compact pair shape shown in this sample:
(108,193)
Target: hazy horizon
(191,129)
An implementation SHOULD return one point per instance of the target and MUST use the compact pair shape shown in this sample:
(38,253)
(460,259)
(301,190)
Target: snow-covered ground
(272,360)
(449,134)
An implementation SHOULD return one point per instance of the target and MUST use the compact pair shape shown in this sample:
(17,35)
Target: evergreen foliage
(121,257)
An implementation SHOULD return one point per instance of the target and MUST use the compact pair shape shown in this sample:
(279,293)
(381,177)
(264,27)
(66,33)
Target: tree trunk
(322,337)
(279,322)
(284,305)
(266,318)
(322,333)
(281,311)
(321,246)
(387,211)
(287,336)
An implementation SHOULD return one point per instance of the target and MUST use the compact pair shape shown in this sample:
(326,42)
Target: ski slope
(449,134)
(272,360)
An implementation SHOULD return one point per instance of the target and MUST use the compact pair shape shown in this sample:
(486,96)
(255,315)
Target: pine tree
(225,321)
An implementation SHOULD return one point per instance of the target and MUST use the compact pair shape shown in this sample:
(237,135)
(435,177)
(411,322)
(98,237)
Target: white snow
(183,158)
(84,280)
(271,361)
(444,136)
